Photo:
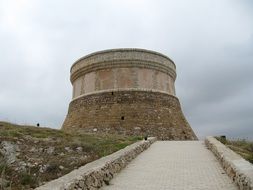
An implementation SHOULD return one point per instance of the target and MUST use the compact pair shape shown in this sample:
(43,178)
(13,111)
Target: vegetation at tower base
(30,155)
(130,113)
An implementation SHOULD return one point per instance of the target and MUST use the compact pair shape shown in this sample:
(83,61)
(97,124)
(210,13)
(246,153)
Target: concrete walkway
(170,165)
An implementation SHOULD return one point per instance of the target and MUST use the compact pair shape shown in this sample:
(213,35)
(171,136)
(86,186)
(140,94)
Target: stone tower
(126,91)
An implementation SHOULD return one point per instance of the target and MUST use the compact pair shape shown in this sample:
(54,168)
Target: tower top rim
(122,50)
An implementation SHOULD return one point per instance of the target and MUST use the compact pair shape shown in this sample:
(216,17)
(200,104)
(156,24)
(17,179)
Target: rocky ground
(30,156)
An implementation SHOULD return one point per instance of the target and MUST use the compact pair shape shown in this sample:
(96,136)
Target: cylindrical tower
(126,91)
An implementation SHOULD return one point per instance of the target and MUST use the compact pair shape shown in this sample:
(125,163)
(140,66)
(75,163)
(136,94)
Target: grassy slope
(70,151)
(241,147)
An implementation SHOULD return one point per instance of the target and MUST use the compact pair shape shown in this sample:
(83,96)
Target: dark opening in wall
(112,93)
(122,117)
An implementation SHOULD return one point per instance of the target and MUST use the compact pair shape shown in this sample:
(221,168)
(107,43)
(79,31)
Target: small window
(122,117)
(112,93)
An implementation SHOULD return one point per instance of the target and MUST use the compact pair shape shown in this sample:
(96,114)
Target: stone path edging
(99,172)
(173,165)
(237,168)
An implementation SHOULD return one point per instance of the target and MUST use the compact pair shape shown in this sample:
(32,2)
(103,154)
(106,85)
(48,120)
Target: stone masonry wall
(98,173)
(129,112)
(237,168)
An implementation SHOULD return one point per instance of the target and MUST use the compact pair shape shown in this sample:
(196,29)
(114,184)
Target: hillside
(30,155)
(240,146)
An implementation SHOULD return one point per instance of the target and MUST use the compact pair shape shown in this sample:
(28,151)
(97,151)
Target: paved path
(173,165)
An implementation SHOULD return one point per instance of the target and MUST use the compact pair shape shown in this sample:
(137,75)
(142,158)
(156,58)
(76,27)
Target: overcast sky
(211,42)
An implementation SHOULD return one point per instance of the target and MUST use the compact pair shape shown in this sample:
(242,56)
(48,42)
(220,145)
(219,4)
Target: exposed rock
(61,154)
(33,149)
(28,137)
(40,150)
(19,142)
(9,151)
(4,183)
(79,149)
(81,184)
(43,168)
(21,166)
(84,157)
(17,148)
(50,150)
(68,149)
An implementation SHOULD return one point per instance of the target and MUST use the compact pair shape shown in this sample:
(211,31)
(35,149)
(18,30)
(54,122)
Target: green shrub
(27,179)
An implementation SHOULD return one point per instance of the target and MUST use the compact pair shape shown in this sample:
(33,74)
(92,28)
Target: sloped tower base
(129,112)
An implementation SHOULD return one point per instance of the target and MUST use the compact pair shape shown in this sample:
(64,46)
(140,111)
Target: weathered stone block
(237,168)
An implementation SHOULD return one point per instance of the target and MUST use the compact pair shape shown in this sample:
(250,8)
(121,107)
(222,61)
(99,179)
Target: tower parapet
(123,69)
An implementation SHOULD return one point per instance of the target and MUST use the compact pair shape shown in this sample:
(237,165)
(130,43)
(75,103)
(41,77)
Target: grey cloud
(210,41)
(220,97)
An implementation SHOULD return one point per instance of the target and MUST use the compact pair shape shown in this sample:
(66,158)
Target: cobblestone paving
(173,165)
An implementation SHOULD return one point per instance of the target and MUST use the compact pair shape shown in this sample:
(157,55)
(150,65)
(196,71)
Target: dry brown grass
(242,147)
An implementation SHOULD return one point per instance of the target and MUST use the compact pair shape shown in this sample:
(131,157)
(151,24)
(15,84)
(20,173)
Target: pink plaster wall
(123,78)
(89,82)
